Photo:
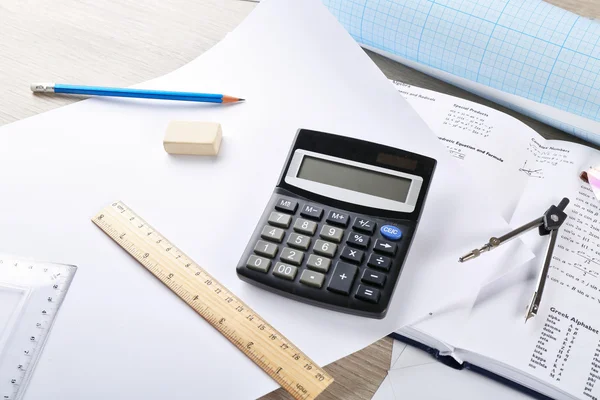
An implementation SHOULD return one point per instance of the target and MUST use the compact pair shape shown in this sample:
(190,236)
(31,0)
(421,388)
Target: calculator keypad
(312,250)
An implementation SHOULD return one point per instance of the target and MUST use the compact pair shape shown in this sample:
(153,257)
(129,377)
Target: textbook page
(500,152)
(502,155)
(561,345)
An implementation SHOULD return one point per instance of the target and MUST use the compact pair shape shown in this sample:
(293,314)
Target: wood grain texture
(108,43)
(586,8)
(124,42)
(357,376)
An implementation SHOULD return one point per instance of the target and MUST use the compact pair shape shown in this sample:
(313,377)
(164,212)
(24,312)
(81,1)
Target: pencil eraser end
(193,138)
(45,87)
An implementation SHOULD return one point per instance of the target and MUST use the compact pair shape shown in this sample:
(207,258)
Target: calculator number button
(331,233)
(352,255)
(258,263)
(312,278)
(294,257)
(337,218)
(385,247)
(279,219)
(342,278)
(364,225)
(298,241)
(318,263)
(286,205)
(379,262)
(358,240)
(285,271)
(312,212)
(263,248)
(274,234)
(325,248)
(373,277)
(305,226)
(367,294)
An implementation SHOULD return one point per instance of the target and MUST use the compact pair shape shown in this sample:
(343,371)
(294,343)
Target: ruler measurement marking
(30,346)
(216,304)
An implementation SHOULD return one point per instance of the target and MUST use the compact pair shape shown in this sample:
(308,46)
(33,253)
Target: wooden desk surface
(123,42)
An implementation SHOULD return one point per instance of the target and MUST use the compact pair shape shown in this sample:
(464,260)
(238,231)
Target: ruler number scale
(40,288)
(250,333)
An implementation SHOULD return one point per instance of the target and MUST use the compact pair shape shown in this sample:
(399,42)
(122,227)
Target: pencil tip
(231,99)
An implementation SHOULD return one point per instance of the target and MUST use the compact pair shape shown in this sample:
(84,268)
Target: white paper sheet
(121,333)
(397,350)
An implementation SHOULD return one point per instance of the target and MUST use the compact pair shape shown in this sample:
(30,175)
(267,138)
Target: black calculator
(339,224)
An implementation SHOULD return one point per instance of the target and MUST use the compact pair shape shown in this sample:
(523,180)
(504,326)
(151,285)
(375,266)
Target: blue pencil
(134,93)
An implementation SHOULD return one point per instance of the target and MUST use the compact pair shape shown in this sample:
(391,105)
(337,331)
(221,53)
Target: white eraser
(193,137)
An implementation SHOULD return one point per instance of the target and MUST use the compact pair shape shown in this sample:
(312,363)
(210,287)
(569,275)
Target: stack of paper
(122,334)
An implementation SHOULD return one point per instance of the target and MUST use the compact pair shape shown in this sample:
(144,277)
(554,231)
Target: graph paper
(525,48)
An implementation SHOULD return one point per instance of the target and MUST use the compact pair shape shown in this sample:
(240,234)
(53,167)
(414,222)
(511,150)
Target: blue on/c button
(391,232)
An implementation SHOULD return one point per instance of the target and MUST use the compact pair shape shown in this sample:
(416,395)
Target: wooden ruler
(258,340)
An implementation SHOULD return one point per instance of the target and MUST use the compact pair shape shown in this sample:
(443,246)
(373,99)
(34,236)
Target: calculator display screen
(354,178)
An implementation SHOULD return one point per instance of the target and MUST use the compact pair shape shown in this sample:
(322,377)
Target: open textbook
(557,353)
